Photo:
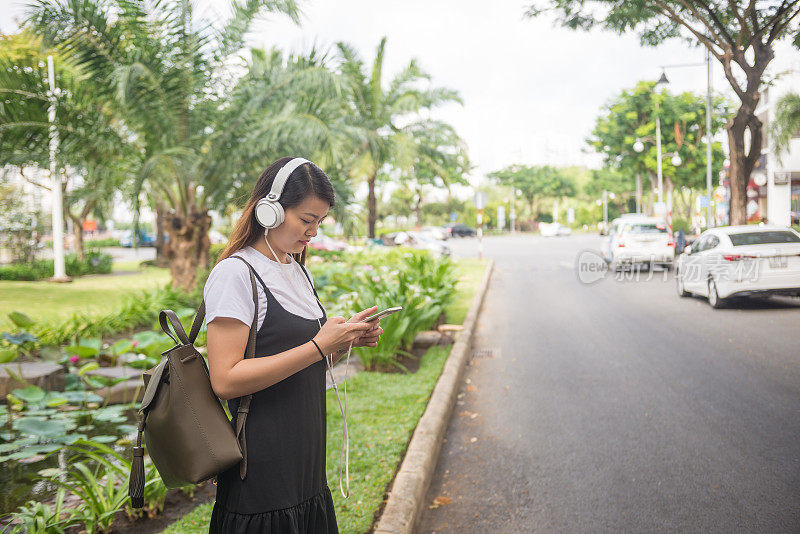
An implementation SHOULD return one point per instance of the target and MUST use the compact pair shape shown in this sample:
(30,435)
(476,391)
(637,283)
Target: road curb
(407,496)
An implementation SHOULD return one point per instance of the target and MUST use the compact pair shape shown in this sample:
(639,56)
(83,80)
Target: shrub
(94,262)
(413,279)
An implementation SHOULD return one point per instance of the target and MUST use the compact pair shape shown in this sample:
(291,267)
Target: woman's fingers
(363,314)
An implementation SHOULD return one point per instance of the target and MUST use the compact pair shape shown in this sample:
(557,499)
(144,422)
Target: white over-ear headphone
(269,212)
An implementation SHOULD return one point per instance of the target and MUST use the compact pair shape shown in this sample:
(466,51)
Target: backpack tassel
(136,484)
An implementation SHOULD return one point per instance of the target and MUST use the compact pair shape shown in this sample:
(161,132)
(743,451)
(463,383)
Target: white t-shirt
(228,292)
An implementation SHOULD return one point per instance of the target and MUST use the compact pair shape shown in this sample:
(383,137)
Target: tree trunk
(77,226)
(188,246)
(372,209)
(77,235)
(161,258)
(742,162)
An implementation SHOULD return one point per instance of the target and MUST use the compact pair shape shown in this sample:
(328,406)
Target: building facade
(778,174)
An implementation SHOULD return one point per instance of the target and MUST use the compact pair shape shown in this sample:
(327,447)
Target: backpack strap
(244,402)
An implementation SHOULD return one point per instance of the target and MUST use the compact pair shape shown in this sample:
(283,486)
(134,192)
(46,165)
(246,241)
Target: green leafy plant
(422,284)
(102,489)
(37,517)
(20,342)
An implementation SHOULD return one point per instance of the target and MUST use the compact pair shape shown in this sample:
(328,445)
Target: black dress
(285,490)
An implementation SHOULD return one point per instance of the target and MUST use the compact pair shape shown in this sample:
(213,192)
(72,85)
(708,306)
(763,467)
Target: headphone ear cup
(269,214)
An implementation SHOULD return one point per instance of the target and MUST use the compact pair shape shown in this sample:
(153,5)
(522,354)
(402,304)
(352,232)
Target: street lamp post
(59,272)
(638,192)
(662,80)
(709,218)
(604,202)
(707,64)
(513,214)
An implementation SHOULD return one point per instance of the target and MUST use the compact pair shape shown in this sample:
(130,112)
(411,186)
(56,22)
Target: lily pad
(79,396)
(69,439)
(90,366)
(40,413)
(30,394)
(145,338)
(17,444)
(122,346)
(39,427)
(50,353)
(49,472)
(54,400)
(104,439)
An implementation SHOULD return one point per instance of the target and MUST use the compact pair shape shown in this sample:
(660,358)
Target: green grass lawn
(383,410)
(470,272)
(96,294)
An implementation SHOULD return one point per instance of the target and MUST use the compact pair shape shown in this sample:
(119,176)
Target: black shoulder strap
(244,402)
(305,272)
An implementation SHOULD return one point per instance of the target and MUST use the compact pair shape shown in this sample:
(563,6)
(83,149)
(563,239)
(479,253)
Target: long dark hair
(305,180)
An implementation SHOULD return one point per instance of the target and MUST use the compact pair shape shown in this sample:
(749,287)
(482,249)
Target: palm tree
(786,125)
(93,157)
(440,159)
(376,111)
(202,126)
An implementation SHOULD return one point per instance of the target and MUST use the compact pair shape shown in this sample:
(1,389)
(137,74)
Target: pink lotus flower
(134,344)
(74,358)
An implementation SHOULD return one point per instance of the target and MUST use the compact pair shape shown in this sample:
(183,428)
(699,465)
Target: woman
(285,488)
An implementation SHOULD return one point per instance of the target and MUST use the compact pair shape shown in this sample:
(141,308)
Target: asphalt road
(619,406)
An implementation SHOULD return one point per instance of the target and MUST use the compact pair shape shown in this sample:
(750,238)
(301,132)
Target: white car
(324,242)
(426,241)
(554,229)
(436,231)
(639,240)
(216,237)
(740,261)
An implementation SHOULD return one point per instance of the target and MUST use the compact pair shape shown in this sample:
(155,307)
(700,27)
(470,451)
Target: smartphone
(382,314)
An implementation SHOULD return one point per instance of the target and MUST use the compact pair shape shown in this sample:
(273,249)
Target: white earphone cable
(344,451)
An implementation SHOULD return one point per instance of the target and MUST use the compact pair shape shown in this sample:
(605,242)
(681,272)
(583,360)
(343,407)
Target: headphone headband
(276,190)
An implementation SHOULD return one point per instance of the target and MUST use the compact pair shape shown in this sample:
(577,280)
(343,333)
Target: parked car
(639,240)
(439,232)
(388,239)
(554,229)
(324,242)
(425,241)
(216,237)
(144,239)
(460,230)
(740,261)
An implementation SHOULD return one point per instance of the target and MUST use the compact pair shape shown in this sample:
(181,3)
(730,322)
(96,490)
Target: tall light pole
(59,272)
(638,192)
(707,64)
(662,80)
(709,218)
(604,202)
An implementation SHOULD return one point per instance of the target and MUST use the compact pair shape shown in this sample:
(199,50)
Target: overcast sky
(531,90)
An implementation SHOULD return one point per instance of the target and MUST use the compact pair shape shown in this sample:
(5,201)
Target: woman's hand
(336,334)
(370,337)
